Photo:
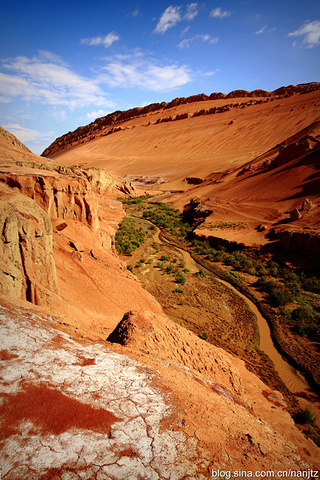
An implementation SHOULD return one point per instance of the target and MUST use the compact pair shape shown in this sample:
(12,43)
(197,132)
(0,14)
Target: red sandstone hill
(154,401)
(250,157)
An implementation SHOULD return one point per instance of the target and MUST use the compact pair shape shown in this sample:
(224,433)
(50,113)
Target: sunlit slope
(196,146)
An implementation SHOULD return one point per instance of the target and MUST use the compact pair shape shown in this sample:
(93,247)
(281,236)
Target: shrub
(311,284)
(179,278)
(201,273)
(128,237)
(204,336)
(262,271)
(156,246)
(294,288)
(280,295)
(316,440)
(306,417)
(307,321)
(178,290)
(165,258)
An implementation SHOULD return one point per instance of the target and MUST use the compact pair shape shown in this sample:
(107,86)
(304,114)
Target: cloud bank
(173,15)
(310,31)
(219,13)
(202,38)
(106,41)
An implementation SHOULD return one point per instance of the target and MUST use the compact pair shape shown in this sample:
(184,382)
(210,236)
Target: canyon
(99,379)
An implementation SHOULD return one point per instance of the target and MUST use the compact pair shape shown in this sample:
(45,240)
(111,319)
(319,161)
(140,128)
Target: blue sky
(65,63)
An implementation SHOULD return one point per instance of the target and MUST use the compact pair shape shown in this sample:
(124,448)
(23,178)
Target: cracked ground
(74,415)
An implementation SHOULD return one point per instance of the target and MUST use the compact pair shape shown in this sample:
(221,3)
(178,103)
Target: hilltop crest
(98,127)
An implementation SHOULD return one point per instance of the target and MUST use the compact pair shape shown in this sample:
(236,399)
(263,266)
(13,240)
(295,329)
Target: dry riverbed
(202,304)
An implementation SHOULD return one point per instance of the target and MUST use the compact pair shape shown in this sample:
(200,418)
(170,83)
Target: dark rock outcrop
(295,214)
(196,211)
(194,180)
(295,150)
(298,242)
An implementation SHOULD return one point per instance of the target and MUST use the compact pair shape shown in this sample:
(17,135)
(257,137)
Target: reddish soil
(51,411)
(5,355)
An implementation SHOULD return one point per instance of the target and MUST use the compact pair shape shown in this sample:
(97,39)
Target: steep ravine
(291,377)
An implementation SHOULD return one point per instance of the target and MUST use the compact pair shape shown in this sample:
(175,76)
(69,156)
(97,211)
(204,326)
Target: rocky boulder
(295,214)
(295,150)
(306,205)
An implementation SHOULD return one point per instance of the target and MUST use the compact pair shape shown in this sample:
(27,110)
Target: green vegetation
(128,237)
(286,289)
(316,440)
(223,225)
(306,417)
(164,216)
(311,284)
(204,336)
(156,246)
(134,200)
(291,293)
(179,278)
(178,290)
(306,320)
(201,273)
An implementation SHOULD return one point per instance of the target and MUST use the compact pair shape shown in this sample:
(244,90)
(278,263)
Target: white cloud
(141,72)
(265,29)
(46,56)
(219,13)
(262,30)
(310,31)
(35,141)
(59,115)
(135,13)
(192,11)
(106,41)
(170,17)
(48,82)
(98,114)
(203,38)
(23,134)
(26,135)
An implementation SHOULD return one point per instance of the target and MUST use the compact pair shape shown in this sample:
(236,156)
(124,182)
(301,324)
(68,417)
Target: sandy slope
(199,145)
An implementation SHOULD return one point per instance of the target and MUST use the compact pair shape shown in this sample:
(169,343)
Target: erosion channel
(214,309)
